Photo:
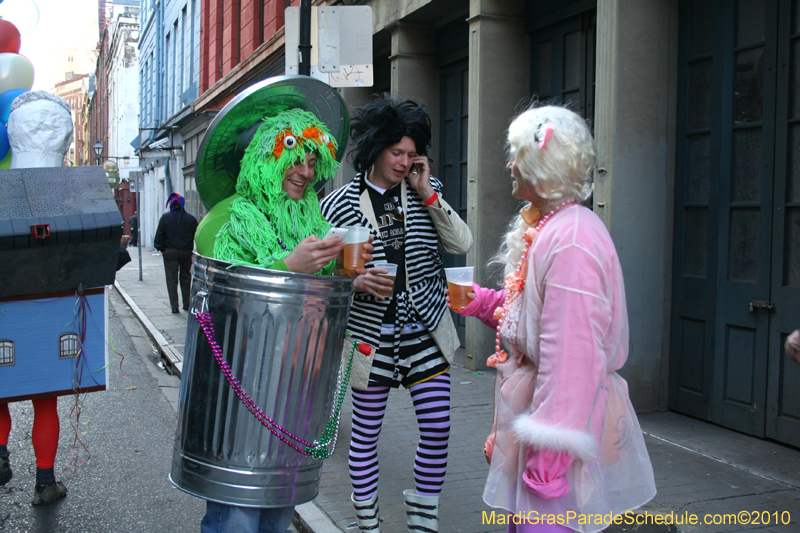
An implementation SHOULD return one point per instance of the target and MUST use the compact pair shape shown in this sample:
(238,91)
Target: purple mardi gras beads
(208,329)
(319,449)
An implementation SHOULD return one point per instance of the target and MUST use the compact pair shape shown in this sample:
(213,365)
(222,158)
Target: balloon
(6,99)
(23,13)
(16,72)
(6,162)
(4,147)
(9,38)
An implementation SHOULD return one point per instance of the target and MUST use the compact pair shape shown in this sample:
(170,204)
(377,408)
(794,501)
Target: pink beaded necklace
(515,283)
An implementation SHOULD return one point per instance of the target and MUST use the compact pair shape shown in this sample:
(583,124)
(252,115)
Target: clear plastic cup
(354,241)
(459,283)
(391,273)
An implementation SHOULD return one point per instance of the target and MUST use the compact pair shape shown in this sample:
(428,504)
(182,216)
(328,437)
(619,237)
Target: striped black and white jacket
(426,228)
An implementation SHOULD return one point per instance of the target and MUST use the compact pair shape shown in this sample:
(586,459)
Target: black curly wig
(384,122)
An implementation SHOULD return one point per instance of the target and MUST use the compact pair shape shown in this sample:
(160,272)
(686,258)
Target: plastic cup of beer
(391,273)
(354,241)
(459,283)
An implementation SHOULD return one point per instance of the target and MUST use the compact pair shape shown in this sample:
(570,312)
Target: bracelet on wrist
(432,199)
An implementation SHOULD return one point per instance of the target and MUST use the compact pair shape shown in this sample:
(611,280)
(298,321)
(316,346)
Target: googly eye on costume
(289,142)
(325,139)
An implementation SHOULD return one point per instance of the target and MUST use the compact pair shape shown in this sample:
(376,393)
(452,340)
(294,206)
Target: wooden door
(733,274)
(783,392)
(696,212)
(563,63)
(747,140)
(452,162)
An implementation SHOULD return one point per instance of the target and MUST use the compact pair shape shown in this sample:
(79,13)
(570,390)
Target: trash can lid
(220,153)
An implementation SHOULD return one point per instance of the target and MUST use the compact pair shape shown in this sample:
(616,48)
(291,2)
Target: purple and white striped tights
(432,406)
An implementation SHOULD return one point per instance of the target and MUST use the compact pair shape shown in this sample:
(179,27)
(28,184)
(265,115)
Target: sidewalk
(149,302)
(699,468)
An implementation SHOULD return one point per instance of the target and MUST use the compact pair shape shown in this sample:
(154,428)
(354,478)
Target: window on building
(185,39)
(169,85)
(174,78)
(6,352)
(68,346)
(191,41)
(151,89)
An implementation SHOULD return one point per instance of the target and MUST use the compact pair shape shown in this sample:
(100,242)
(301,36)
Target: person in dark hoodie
(174,239)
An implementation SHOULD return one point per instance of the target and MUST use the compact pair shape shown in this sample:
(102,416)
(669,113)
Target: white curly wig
(561,171)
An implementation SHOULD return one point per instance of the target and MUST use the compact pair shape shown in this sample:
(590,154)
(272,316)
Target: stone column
(354,97)
(635,135)
(498,75)
(414,76)
(414,73)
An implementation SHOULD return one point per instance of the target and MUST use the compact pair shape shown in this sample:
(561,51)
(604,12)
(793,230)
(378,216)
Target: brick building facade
(98,102)
(238,47)
(74,92)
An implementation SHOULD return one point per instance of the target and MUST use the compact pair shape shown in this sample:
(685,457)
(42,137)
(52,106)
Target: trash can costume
(260,394)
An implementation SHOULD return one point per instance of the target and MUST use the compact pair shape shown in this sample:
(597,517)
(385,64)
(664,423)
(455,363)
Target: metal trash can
(282,335)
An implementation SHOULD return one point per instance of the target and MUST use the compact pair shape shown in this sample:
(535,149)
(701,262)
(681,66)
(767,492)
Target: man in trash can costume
(273,220)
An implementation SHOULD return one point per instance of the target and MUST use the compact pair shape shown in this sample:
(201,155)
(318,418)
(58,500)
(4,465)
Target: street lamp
(98,149)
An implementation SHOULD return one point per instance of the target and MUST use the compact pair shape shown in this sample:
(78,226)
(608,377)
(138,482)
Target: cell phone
(335,232)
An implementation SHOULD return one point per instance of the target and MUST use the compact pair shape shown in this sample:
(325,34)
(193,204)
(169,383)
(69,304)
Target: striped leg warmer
(367,515)
(422,512)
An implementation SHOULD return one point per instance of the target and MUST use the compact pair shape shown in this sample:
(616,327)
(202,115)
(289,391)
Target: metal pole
(139,206)
(304,68)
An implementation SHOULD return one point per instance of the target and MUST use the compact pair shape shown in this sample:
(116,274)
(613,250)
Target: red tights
(45,430)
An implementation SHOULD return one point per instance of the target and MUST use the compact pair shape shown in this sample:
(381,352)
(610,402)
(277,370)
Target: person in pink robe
(793,346)
(565,442)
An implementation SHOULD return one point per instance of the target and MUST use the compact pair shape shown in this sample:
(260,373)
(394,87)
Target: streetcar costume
(60,246)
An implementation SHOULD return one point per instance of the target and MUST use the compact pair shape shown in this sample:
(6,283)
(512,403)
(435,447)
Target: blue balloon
(4,146)
(6,99)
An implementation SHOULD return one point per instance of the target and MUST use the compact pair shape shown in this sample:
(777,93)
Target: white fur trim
(579,444)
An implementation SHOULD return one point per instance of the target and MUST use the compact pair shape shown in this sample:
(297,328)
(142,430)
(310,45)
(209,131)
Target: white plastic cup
(391,273)
(459,283)
(354,242)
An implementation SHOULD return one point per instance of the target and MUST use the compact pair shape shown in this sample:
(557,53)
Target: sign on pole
(340,59)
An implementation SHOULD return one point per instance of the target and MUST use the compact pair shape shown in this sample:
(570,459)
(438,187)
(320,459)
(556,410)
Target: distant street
(123,485)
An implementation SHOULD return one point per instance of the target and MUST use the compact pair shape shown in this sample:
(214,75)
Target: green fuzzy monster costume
(249,227)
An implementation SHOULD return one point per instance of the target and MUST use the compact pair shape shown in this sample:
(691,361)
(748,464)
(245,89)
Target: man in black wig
(395,196)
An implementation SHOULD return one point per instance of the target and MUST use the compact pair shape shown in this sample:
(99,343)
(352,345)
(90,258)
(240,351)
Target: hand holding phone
(335,232)
(420,165)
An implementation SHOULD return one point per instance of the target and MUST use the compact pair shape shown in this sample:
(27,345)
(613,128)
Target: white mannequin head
(39,130)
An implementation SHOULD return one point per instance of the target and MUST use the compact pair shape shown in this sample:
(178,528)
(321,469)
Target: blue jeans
(221,518)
